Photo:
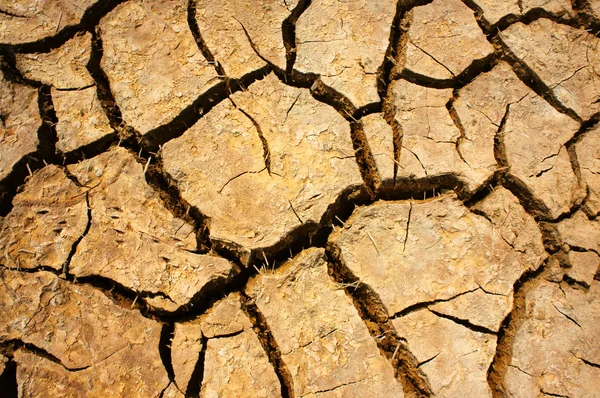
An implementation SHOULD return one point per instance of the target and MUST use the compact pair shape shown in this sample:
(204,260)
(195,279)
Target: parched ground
(296,198)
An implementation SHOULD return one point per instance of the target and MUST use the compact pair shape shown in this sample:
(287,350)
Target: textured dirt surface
(300,198)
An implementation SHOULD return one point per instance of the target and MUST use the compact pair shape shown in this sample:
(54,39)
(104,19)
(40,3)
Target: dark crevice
(45,153)
(172,199)
(202,46)
(157,137)
(91,17)
(368,109)
(470,73)
(12,14)
(586,17)
(508,329)
(376,318)
(195,384)
(531,79)
(47,132)
(364,158)
(464,322)
(550,394)
(103,90)
(90,150)
(288,30)
(425,304)
(8,380)
(458,124)
(396,46)
(164,348)
(8,347)
(269,344)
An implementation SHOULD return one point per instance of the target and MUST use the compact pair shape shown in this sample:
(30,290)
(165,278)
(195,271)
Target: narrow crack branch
(73,251)
(263,140)
(464,322)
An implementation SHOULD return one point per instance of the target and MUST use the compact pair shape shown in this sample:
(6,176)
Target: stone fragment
(32,20)
(47,218)
(430,136)
(222,28)
(480,107)
(235,364)
(439,27)
(566,59)
(534,138)
(133,374)
(220,164)
(78,325)
(19,123)
(64,67)
(81,119)
(185,352)
(322,340)
(454,358)
(152,61)
(588,156)
(134,240)
(555,351)
(437,250)
(345,43)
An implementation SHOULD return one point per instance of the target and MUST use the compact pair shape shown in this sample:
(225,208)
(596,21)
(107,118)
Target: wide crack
(265,336)
(379,325)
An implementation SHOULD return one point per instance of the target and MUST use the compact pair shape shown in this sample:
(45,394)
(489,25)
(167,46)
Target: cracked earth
(300,198)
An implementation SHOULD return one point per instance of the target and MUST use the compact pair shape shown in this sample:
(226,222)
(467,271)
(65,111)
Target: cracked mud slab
(421,253)
(153,64)
(232,360)
(231,29)
(90,341)
(19,123)
(438,26)
(47,219)
(555,350)
(33,20)
(81,120)
(163,263)
(273,154)
(454,358)
(318,328)
(566,59)
(62,68)
(345,43)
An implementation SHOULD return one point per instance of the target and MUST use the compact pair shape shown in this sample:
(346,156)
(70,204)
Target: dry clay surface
(296,198)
